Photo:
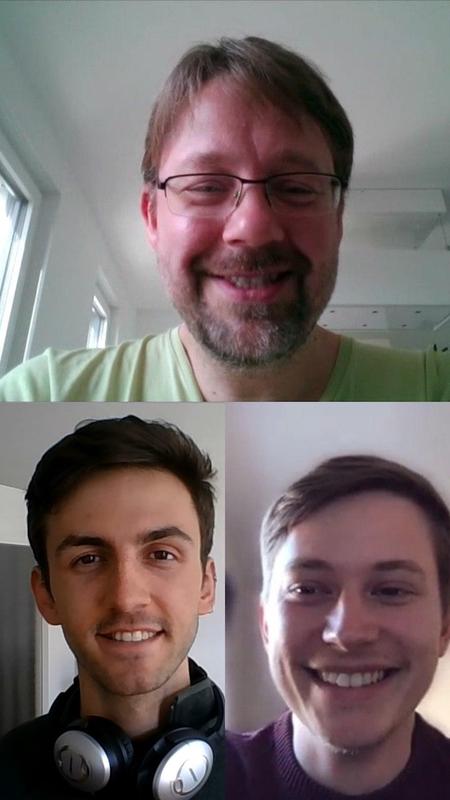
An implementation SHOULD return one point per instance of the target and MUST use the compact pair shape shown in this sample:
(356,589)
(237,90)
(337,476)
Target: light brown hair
(270,73)
(345,476)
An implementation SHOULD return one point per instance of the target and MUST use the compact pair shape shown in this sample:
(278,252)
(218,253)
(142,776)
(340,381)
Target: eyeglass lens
(215,195)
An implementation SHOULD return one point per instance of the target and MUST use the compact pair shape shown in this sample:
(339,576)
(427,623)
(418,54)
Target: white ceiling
(96,68)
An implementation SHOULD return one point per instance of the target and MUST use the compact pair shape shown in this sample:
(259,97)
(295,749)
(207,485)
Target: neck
(137,714)
(302,376)
(356,772)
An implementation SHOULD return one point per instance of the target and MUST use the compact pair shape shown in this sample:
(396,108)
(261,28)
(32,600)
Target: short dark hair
(272,73)
(101,445)
(344,476)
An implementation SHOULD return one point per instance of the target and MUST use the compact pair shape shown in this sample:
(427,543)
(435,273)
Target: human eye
(307,592)
(293,185)
(206,188)
(162,555)
(393,593)
(86,560)
(292,189)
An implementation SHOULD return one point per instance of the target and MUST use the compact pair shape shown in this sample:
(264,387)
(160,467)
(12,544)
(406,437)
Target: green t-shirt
(157,368)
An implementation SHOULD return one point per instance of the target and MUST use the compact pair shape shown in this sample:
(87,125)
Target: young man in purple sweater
(355,613)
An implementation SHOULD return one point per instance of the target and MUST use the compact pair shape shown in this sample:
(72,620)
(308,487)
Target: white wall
(268,447)
(392,276)
(75,250)
(152,321)
(412,339)
(12,518)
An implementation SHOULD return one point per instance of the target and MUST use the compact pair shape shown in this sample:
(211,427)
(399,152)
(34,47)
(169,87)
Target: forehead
(125,498)
(355,533)
(227,122)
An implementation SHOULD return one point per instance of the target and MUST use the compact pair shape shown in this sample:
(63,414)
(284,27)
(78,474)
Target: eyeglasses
(296,194)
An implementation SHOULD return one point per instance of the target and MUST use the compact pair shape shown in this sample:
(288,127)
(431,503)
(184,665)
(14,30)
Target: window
(24,235)
(98,326)
(13,212)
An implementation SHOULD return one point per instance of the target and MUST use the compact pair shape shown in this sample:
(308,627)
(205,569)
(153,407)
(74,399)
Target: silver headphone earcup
(183,771)
(82,761)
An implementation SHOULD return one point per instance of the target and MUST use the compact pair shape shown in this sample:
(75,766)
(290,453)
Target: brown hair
(106,444)
(271,73)
(349,475)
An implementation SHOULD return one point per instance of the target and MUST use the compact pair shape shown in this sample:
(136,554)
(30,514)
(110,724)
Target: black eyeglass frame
(163,184)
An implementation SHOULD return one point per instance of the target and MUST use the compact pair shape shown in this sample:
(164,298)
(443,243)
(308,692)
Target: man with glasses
(247,162)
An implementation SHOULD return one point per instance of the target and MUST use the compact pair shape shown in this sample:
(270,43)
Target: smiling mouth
(131,636)
(256,281)
(351,680)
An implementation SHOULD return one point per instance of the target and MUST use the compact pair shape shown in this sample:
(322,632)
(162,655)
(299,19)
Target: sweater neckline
(300,784)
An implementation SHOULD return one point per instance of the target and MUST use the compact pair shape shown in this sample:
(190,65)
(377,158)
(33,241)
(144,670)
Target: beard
(243,335)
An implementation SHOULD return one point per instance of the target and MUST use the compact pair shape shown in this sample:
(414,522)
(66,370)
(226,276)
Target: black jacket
(28,771)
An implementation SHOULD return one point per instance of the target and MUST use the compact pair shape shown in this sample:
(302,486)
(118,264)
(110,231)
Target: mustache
(263,259)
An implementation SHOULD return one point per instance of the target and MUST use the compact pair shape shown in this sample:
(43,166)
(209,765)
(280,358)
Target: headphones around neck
(92,754)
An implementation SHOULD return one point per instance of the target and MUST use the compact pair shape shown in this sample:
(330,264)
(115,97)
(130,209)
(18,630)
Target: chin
(251,342)
(131,685)
(352,743)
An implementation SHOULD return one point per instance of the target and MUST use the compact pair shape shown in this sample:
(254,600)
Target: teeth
(133,636)
(354,680)
(253,283)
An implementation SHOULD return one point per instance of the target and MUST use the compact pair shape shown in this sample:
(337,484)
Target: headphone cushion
(116,744)
(163,751)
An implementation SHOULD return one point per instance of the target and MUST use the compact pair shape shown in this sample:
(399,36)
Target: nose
(253,223)
(128,586)
(350,623)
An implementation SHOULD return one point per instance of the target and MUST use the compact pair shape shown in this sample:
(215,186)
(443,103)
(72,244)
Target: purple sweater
(262,766)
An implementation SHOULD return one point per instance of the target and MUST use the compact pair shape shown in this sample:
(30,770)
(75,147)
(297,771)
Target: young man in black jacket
(120,520)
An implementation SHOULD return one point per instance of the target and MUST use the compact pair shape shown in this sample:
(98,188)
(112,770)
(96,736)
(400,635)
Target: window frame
(102,295)
(15,174)
(102,311)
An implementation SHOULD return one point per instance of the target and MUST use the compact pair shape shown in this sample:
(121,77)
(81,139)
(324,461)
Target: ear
(263,627)
(148,211)
(445,635)
(44,599)
(208,590)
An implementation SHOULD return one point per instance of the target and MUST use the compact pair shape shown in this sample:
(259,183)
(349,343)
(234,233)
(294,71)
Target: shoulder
(110,373)
(370,372)
(434,744)
(24,733)
(251,742)
(252,759)
(27,732)
(27,767)
(27,744)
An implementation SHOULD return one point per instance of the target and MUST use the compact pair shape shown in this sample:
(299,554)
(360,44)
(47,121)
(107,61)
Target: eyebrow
(81,539)
(211,160)
(380,566)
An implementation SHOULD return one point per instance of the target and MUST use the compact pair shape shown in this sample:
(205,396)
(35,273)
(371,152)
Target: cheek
(181,239)
(180,591)
(289,631)
(317,239)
